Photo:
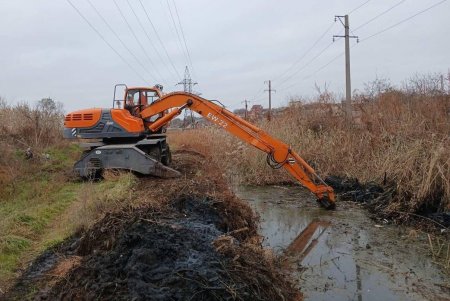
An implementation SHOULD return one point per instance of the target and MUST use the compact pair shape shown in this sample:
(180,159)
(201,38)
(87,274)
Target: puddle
(341,254)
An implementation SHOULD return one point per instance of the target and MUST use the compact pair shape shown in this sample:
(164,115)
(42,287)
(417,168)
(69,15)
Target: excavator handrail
(279,154)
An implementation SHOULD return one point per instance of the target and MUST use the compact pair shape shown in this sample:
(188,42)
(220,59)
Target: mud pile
(192,240)
(379,200)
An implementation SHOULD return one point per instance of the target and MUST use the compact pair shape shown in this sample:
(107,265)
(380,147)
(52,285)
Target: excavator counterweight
(132,137)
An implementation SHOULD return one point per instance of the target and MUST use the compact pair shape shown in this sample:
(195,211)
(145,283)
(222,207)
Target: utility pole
(246,108)
(448,78)
(270,90)
(348,84)
(187,83)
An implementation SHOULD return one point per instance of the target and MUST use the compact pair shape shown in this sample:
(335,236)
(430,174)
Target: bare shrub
(38,127)
(425,84)
(25,127)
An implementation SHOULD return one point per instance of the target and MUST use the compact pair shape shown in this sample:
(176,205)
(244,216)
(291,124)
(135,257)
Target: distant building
(256,112)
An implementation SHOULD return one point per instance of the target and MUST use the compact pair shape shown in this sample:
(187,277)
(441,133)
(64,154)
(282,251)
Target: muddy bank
(380,199)
(191,239)
(345,254)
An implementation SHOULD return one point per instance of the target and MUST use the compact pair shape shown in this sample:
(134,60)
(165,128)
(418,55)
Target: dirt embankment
(190,239)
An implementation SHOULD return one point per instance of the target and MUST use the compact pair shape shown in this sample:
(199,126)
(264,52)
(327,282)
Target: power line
(358,7)
(118,37)
(176,31)
(379,15)
(373,35)
(381,31)
(103,38)
(159,38)
(316,71)
(137,39)
(404,20)
(326,65)
(307,64)
(306,52)
(257,94)
(184,37)
(146,33)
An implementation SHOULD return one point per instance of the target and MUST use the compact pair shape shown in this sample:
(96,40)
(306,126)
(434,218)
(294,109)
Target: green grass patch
(38,198)
(46,207)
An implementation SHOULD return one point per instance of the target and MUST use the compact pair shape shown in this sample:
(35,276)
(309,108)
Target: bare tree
(374,88)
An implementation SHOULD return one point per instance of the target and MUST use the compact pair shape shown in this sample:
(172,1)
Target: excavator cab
(136,98)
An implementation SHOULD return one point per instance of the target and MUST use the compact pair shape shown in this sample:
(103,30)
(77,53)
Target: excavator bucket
(326,203)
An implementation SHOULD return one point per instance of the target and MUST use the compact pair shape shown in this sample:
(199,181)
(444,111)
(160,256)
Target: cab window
(152,96)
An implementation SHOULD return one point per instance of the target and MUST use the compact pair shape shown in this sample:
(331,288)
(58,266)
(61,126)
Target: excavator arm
(279,154)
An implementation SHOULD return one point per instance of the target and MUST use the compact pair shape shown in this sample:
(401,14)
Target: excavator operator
(130,105)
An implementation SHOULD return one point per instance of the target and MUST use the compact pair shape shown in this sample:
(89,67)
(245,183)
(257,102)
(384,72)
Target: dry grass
(23,127)
(95,199)
(398,137)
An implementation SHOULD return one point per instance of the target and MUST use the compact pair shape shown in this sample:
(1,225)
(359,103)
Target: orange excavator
(131,136)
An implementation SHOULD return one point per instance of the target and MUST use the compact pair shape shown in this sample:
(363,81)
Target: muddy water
(343,254)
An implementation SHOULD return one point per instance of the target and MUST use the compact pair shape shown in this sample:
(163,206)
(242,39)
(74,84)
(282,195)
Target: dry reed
(396,138)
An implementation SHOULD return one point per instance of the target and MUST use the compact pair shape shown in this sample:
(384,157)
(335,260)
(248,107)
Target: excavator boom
(278,153)
(131,136)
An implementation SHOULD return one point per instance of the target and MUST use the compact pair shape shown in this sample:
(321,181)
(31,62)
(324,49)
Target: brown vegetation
(397,138)
(24,127)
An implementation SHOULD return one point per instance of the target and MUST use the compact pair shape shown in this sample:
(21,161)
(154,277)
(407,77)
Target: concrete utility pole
(270,90)
(187,83)
(448,78)
(246,109)
(348,84)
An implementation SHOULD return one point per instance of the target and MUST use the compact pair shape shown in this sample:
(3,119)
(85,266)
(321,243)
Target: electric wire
(137,40)
(146,34)
(375,34)
(315,43)
(358,7)
(316,71)
(379,15)
(184,37)
(109,44)
(260,92)
(159,39)
(403,21)
(120,40)
(305,53)
(177,33)
(306,65)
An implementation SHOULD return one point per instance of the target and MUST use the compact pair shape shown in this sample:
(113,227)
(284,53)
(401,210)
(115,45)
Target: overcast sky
(48,50)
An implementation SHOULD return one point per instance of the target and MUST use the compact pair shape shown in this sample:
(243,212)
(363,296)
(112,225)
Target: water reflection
(330,249)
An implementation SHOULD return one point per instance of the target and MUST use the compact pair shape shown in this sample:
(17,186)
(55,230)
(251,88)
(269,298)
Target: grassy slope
(45,205)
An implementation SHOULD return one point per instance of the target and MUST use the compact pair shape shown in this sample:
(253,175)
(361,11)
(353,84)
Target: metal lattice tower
(187,83)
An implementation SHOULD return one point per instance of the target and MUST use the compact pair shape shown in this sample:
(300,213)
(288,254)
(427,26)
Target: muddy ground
(191,239)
